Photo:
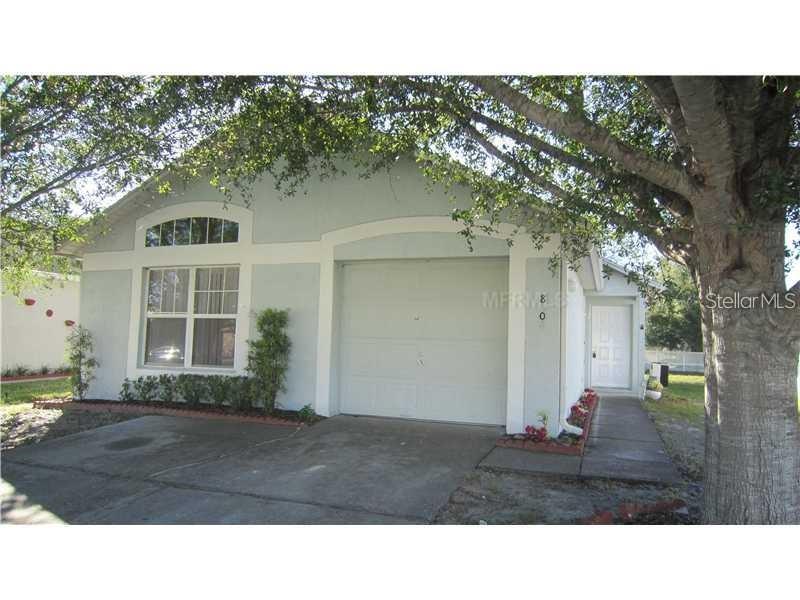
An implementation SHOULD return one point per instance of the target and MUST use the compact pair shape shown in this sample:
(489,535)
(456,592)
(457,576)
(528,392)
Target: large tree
(706,169)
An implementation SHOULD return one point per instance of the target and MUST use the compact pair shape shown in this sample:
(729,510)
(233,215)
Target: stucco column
(515,396)
(322,403)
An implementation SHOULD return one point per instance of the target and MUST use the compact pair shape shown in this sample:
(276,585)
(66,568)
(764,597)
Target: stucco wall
(574,338)
(32,339)
(295,287)
(105,311)
(322,206)
(542,347)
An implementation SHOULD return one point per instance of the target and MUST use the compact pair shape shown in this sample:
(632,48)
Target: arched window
(192,230)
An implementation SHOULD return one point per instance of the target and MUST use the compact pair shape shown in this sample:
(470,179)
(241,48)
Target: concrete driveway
(159,469)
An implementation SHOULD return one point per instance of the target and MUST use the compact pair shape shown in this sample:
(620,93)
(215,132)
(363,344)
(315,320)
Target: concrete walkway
(623,444)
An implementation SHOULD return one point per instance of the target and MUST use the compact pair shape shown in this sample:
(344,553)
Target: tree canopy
(599,158)
(673,315)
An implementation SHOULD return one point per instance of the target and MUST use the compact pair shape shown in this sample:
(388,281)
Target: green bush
(268,358)
(146,388)
(81,362)
(166,388)
(219,388)
(126,393)
(307,414)
(192,388)
(243,393)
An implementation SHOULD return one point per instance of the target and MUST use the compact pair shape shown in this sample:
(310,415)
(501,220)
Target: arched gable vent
(192,230)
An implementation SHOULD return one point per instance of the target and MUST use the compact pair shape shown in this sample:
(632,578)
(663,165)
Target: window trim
(190,317)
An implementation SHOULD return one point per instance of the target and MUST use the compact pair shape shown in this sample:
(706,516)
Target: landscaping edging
(14,378)
(551,447)
(124,407)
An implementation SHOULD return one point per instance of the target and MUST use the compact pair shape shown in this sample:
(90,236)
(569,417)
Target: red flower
(69,322)
(29,301)
(49,312)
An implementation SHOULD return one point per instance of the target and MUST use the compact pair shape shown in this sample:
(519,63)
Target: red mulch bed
(553,446)
(667,512)
(58,375)
(200,413)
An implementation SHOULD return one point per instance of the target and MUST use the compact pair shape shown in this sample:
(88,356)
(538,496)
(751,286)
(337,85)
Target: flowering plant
(536,434)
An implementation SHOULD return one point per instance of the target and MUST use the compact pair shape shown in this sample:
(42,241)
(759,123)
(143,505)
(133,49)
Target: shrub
(192,388)
(19,371)
(307,414)
(126,393)
(44,370)
(81,362)
(145,388)
(243,393)
(268,358)
(166,388)
(219,388)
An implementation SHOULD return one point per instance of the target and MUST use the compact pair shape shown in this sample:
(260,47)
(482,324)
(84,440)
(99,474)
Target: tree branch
(587,133)
(707,125)
(493,150)
(666,101)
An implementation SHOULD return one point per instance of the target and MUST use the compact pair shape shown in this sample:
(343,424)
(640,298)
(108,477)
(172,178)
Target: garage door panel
(461,319)
(475,362)
(416,340)
(366,396)
(380,319)
(479,404)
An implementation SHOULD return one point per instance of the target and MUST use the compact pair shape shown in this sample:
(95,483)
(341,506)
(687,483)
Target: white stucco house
(390,313)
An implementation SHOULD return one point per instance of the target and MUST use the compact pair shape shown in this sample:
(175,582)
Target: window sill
(183,369)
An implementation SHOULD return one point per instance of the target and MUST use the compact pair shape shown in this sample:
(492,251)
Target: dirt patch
(510,498)
(36,425)
(684,441)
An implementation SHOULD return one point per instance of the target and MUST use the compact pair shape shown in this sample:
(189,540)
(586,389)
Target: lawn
(16,396)
(683,399)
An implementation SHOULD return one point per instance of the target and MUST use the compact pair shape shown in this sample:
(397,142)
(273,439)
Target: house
(35,325)
(390,313)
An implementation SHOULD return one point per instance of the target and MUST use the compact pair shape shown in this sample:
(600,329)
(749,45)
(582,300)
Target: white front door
(611,346)
(418,339)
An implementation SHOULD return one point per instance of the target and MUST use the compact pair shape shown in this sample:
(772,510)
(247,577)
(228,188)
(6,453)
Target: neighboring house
(35,325)
(390,313)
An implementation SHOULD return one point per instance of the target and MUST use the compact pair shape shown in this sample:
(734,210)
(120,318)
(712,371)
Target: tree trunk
(752,458)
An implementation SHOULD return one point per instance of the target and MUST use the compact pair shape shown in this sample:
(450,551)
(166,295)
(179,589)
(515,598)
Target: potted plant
(654,388)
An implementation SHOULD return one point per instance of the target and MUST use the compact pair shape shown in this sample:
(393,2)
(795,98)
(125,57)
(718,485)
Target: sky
(792,236)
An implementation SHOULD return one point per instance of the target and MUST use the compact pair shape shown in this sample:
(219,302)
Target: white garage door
(419,340)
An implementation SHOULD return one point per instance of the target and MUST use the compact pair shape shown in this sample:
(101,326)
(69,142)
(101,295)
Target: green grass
(25,392)
(683,399)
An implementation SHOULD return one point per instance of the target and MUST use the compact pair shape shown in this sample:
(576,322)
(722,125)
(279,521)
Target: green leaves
(71,144)
(82,363)
(268,358)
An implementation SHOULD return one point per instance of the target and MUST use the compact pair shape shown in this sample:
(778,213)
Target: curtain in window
(213,342)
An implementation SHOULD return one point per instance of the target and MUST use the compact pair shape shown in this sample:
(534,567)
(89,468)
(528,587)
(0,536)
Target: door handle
(594,354)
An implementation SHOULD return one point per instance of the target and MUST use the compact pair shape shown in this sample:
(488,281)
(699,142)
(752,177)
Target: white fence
(678,361)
